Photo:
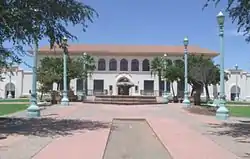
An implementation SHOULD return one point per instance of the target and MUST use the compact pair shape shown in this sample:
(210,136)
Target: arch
(101,65)
(134,65)
(112,65)
(233,89)
(124,65)
(10,89)
(235,92)
(145,65)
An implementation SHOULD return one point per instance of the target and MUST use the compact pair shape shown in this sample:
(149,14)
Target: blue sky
(161,22)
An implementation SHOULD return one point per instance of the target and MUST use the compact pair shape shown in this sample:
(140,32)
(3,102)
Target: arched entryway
(235,91)
(10,90)
(123,85)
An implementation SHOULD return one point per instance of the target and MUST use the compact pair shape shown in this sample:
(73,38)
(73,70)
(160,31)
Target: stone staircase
(125,100)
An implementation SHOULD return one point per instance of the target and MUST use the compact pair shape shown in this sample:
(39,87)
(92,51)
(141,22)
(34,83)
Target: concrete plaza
(81,131)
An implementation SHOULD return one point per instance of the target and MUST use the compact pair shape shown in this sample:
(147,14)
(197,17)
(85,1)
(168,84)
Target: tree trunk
(197,94)
(159,83)
(207,93)
(172,85)
(41,96)
(58,86)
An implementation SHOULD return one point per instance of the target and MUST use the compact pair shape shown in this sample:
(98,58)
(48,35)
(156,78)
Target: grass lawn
(11,108)
(239,111)
(15,100)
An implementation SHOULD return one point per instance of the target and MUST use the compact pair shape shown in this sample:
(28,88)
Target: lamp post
(236,89)
(222,111)
(65,99)
(186,101)
(85,75)
(165,95)
(33,110)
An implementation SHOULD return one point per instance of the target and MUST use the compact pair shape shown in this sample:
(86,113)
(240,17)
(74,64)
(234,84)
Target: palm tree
(88,64)
(158,67)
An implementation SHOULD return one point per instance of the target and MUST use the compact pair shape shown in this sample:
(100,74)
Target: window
(112,65)
(98,87)
(79,85)
(145,65)
(123,65)
(101,65)
(134,65)
(110,87)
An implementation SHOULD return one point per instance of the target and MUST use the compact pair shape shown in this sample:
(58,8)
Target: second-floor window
(145,65)
(134,65)
(101,65)
(123,65)
(112,65)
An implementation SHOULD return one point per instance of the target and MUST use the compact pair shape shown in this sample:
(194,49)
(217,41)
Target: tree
(202,72)
(27,21)
(174,72)
(157,68)
(51,69)
(239,13)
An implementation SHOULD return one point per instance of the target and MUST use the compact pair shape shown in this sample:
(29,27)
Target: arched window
(101,65)
(112,65)
(145,65)
(134,65)
(123,65)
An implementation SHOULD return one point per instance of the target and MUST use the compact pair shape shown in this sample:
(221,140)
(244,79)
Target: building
(119,64)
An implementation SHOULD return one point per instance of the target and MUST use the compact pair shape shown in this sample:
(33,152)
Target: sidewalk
(81,131)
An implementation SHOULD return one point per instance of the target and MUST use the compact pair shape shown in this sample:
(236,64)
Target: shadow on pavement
(45,127)
(235,130)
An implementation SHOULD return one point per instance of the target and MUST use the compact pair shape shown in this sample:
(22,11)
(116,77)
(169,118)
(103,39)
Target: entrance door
(123,90)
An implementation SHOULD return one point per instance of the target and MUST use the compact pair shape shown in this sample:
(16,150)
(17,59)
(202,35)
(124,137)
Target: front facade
(124,64)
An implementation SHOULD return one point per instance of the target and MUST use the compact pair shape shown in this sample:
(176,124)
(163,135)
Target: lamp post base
(33,111)
(222,113)
(65,101)
(165,97)
(186,102)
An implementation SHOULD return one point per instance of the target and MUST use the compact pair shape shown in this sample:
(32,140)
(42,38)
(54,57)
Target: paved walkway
(81,131)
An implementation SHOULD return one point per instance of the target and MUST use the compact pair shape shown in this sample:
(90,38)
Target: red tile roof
(127,49)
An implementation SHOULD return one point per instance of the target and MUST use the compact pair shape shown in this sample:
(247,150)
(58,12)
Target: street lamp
(65,99)
(222,112)
(85,74)
(165,95)
(186,101)
(33,110)
(236,89)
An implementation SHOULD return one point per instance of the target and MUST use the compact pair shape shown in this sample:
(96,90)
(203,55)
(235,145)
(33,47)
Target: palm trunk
(172,85)
(207,93)
(159,83)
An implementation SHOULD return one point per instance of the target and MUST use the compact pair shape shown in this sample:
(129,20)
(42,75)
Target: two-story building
(119,65)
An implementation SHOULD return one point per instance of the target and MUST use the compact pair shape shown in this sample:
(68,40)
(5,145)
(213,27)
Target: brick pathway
(81,131)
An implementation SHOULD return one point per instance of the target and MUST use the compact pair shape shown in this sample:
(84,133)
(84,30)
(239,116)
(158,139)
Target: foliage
(51,69)
(28,21)
(202,72)
(158,66)
(239,13)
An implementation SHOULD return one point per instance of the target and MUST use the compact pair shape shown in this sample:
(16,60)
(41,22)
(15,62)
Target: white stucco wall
(23,79)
